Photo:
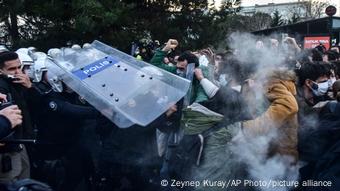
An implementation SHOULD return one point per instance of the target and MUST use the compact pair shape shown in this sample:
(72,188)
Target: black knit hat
(7,56)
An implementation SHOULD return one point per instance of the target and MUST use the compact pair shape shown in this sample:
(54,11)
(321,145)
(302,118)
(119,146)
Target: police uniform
(59,122)
(130,155)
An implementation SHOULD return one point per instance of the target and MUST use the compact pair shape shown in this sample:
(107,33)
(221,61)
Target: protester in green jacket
(217,161)
(198,93)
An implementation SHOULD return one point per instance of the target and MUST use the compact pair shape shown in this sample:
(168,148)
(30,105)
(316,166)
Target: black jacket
(5,127)
(19,95)
(134,146)
(322,150)
(59,121)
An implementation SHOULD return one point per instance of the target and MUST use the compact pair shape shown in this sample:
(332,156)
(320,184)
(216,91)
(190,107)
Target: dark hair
(332,55)
(7,56)
(303,56)
(312,71)
(317,55)
(173,54)
(224,54)
(321,48)
(189,57)
(336,90)
(336,65)
(239,71)
(230,104)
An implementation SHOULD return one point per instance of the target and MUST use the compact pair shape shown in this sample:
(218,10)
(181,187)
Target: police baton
(23,141)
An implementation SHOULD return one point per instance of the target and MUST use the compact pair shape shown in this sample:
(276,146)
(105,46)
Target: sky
(336,3)
(261,2)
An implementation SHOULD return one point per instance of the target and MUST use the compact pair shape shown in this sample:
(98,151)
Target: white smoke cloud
(250,49)
(253,151)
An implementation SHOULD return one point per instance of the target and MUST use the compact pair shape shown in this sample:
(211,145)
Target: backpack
(188,153)
(185,155)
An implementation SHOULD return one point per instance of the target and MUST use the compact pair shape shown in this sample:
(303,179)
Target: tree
(51,23)
(317,8)
(242,23)
(259,21)
(294,19)
(9,11)
(277,19)
(298,12)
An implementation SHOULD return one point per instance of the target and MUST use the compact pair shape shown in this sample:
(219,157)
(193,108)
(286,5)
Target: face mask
(320,89)
(180,72)
(203,60)
(331,81)
(222,80)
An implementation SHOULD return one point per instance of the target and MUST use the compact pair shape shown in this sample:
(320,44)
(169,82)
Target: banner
(312,42)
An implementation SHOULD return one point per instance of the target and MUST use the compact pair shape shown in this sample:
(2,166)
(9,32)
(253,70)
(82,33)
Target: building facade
(287,10)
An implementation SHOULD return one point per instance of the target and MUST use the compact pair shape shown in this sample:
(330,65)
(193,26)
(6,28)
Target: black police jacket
(5,127)
(59,121)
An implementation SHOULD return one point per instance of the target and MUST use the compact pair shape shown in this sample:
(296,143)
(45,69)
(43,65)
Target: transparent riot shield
(125,90)
(189,75)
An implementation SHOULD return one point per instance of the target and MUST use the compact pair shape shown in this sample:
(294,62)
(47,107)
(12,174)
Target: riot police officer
(59,119)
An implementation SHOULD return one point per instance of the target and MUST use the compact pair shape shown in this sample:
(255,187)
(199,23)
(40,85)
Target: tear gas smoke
(263,57)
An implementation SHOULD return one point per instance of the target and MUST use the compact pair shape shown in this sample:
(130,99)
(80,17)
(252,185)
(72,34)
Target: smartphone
(12,77)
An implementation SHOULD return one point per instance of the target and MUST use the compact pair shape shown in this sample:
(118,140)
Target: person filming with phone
(14,161)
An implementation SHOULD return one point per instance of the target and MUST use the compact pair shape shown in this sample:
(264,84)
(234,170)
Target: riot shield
(125,90)
(189,74)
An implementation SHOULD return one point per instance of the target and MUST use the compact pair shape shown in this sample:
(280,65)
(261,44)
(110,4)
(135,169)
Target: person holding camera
(14,160)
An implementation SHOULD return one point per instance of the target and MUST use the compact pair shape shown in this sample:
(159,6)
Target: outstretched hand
(209,53)
(171,44)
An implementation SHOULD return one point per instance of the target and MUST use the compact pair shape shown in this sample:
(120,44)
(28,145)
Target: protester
(183,60)
(280,117)
(241,98)
(208,130)
(15,84)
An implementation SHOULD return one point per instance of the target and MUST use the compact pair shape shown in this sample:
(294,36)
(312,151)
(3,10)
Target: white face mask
(331,81)
(203,60)
(320,89)
(180,72)
(222,80)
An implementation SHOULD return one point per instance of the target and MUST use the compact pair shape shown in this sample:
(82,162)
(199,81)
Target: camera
(3,105)
(9,102)
(9,77)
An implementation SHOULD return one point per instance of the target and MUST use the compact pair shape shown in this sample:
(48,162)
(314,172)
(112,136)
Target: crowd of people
(262,101)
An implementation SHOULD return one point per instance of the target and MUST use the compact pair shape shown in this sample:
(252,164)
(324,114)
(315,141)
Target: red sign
(312,42)
(330,10)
